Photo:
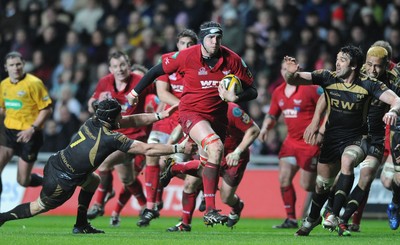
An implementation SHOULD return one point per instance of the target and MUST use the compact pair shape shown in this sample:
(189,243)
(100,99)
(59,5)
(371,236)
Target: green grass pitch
(58,230)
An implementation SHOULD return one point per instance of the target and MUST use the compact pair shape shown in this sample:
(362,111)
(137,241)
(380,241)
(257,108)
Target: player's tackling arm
(144,119)
(293,76)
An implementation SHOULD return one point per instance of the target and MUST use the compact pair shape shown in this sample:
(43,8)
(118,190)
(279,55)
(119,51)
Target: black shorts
(332,148)
(376,147)
(27,151)
(394,141)
(58,186)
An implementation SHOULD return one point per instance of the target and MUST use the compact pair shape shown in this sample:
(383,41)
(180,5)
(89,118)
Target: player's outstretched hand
(132,98)
(168,112)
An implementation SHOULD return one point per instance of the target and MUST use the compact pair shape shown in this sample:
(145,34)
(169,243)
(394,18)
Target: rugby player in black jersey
(348,94)
(75,165)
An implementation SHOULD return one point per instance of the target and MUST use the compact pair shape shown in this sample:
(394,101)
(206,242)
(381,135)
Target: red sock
(210,184)
(123,198)
(106,179)
(136,190)
(360,210)
(188,206)
(190,167)
(289,201)
(152,178)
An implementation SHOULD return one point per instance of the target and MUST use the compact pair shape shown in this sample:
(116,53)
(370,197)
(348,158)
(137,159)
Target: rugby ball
(232,82)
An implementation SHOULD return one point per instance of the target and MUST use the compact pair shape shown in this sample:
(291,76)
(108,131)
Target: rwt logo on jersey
(291,113)
(345,105)
(209,84)
(177,88)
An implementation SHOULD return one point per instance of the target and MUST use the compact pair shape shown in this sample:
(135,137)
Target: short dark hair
(356,56)
(118,54)
(13,54)
(188,33)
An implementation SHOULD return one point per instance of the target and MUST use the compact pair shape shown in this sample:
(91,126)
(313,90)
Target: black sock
(396,193)
(36,180)
(21,211)
(83,203)
(343,187)
(355,199)
(317,202)
(331,197)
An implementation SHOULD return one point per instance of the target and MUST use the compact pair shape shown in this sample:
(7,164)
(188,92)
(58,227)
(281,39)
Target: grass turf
(58,230)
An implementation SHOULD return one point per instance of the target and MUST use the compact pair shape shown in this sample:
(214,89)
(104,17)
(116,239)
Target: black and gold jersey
(376,127)
(91,145)
(347,103)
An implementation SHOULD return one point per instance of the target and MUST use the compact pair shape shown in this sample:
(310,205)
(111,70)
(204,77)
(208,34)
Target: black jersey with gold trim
(347,103)
(91,145)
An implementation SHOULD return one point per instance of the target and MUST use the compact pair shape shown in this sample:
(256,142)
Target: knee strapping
(209,139)
(368,163)
(355,154)
(325,183)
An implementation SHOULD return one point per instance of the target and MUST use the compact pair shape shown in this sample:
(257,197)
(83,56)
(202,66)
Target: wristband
(394,111)
(133,93)
(175,148)
(35,128)
(158,116)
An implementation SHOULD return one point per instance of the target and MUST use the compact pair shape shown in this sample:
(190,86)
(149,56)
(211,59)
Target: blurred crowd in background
(66,43)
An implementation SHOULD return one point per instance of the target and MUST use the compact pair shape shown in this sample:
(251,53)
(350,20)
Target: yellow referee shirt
(22,101)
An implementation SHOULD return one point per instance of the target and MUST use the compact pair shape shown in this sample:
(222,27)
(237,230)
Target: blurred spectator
(66,98)
(135,28)
(169,41)
(217,11)
(358,38)
(10,16)
(68,125)
(41,68)
(118,8)
(109,29)
(252,13)
(50,45)
(121,42)
(97,50)
(233,31)
(66,64)
(392,22)
(81,83)
(21,44)
(50,143)
(394,40)
(194,12)
(320,7)
(85,21)
(151,47)
(260,28)
(72,43)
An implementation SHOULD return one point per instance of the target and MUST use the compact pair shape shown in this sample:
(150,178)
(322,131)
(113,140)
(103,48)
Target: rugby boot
(85,229)
(166,175)
(213,217)
(354,227)
(331,222)
(234,217)
(343,229)
(94,211)
(147,216)
(115,220)
(287,224)
(307,226)
(393,215)
(180,227)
